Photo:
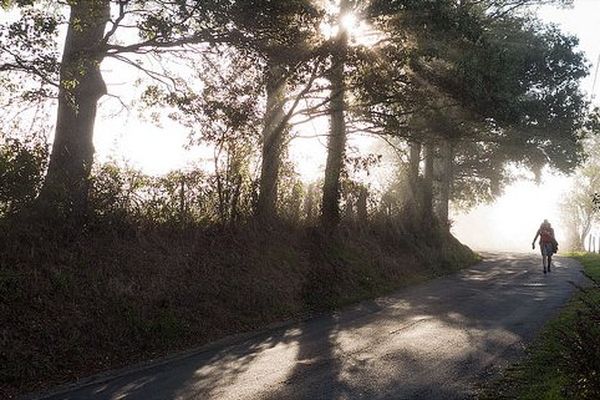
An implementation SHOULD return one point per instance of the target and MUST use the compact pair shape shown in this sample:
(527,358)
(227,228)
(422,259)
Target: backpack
(546,235)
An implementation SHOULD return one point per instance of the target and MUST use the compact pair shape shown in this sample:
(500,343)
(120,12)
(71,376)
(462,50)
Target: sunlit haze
(511,222)
(507,224)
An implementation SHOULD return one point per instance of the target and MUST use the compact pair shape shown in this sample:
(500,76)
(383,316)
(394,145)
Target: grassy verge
(71,308)
(556,367)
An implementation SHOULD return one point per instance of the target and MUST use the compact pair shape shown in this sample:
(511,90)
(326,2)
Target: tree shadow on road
(429,341)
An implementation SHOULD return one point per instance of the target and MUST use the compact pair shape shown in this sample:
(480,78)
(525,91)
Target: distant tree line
(580,205)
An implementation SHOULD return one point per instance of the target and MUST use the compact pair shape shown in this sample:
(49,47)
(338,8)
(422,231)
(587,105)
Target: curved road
(437,340)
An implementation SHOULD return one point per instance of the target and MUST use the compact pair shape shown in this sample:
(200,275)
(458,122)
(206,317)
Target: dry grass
(104,300)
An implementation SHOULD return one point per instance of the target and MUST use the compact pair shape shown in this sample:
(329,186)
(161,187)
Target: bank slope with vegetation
(75,307)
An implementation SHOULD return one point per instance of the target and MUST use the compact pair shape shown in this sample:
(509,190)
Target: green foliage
(292,195)
(479,174)
(504,88)
(526,78)
(109,195)
(284,30)
(29,53)
(124,196)
(580,340)
(22,166)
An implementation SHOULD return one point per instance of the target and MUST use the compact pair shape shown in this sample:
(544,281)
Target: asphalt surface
(437,340)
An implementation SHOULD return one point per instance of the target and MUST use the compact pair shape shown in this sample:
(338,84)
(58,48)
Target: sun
(350,23)
(360,31)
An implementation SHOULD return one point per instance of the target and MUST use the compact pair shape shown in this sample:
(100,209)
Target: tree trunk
(273,136)
(427,203)
(415,161)
(311,204)
(446,166)
(413,175)
(361,206)
(182,207)
(330,212)
(585,232)
(65,189)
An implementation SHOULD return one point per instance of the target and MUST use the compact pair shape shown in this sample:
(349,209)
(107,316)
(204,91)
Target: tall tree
(280,40)
(580,205)
(330,212)
(272,140)
(81,85)
(506,84)
(426,208)
(579,212)
(89,40)
(414,162)
(445,178)
(284,35)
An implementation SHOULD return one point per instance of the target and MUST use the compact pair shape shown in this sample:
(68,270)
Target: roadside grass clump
(564,361)
(580,342)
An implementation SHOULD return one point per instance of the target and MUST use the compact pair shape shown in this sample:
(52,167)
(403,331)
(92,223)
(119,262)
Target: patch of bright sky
(511,222)
(361,33)
(123,135)
(581,20)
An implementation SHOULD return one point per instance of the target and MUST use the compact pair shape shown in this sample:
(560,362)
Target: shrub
(581,345)
(22,166)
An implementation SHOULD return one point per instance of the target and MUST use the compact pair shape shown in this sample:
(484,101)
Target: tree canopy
(478,86)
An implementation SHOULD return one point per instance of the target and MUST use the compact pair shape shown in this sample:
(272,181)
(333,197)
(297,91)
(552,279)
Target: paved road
(432,341)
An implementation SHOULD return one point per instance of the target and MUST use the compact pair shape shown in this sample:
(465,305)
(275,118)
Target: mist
(510,222)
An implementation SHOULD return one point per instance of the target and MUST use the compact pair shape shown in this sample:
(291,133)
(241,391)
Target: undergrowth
(76,305)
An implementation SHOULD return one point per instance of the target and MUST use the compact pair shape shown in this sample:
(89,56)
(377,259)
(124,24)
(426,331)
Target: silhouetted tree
(330,212)
(480,73)
(90,38)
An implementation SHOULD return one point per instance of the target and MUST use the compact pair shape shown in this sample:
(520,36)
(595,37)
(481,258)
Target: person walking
(548,244)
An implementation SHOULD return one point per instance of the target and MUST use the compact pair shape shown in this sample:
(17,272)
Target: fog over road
(437,340)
